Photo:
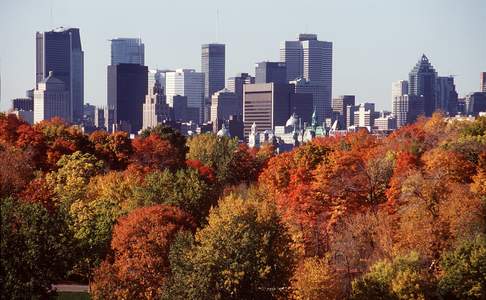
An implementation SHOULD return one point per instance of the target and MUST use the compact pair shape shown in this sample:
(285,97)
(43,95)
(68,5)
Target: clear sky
(375,42)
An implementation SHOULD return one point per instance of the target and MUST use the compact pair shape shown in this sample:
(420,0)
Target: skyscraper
(267,72)
(399,88)
(51,99)
(311,59)
(235,85)
(155,108)
(127,51)
(189,83)
(339,106)
(422,82)
(127,88)
(60,51)
(224,104)
(157,76)
(446,95)
(213,67)
(407,108)
(483,82)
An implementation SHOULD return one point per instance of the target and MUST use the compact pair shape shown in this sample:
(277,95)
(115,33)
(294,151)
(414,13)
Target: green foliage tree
(175,138)
(464,271)
(243,253)
(185,188)
(36,249)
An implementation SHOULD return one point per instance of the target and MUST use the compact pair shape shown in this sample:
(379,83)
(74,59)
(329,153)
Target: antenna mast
(217,25)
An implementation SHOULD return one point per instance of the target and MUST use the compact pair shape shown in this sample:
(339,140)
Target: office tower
(155,109)
(180,110)
(399,88)
(407,108)
(224,104)
(51,99)
(235,127)
(127,51)
(235,85)
(386,123)
(25,104)
(60,51)
(483,82)
(365,115)
(104,118)
(311,59)
(213,67)
(88,114)
(422,82)
(475,103)
(339,105)
(127,88)
(303,86)
(189,83)
(446,95)
(158,76)
(267,72)
(270,104)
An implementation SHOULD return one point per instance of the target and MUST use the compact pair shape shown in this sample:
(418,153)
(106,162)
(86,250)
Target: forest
(163,216)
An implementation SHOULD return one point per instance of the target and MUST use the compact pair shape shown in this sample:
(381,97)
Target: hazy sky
(375,42)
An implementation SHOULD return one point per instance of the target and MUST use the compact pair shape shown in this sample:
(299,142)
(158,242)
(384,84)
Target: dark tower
(422,82)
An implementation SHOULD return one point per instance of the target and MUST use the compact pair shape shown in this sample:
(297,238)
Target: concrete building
(127,88)
(155,108)
(271,104)
(399,88)
(475,103)
(386,123)
(104,118)
(423,82)
(60,51)
(235,85)
(267,72)
(157,76)
(311,59)
(51,99)
(482,86)
(189,83)
(127,51)
(407,108)
(339,105)
(365,115)
(446,95)
(224,104)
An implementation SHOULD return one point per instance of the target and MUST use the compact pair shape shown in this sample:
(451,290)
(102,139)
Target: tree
(115,149)
(36,248)
(464,271)
(215,152)
(174,137)
(243,253)
(154,153)
(185,188)
(141,244)
(15,171)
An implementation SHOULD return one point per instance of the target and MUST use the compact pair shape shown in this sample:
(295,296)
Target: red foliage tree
(141,243)
(114,149)
(154,153)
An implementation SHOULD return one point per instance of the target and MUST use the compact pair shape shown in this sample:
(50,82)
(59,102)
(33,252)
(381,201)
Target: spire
(424,58)
(314,118)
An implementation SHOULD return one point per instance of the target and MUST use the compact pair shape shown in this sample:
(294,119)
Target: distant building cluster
(286,102)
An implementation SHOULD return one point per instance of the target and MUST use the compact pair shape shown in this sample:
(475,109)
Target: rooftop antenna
(50,14)
(217,25)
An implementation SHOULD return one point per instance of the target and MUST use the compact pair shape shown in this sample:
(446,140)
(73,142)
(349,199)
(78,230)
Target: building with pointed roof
(51,99)
(422,82)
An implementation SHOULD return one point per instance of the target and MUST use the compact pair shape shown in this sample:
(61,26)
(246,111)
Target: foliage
(141,244)
(174,137)
(464,271)
(36,249)
(154,153)
(115,149)
(243,253)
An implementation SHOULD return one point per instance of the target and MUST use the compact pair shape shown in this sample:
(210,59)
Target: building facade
(482,86)
(127,51)
(446,97)
(127,88)
(399,88)
(423,82)
(407,108)
(311,59)
(60,51)
(189,83)
(268,72)
(475,103)
(213,67)
(51,99)
(155,108)
(224,104)
(339,105)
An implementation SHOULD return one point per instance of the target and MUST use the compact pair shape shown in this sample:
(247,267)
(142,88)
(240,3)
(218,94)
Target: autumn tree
(141,244)
(243,253)
(154,153)
(174,137)
(115,148)
(36,249)
(16,170)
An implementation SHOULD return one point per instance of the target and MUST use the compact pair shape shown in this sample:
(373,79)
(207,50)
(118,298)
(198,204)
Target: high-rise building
(51,99)
(475,103)
(483,82)
(157,76)
(271,104)
(365,115)
(339,106)
(407,108)
(213,67)
(235,85)
(267,72)
(60,51)
(422,82)
(224,104)
(127,51)
(311,59)
(189,83)
(446,95)
(25,104)
(399,88)
(127,88)
(155,108)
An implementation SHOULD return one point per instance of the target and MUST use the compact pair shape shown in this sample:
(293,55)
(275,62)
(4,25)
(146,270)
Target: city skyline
(363,66)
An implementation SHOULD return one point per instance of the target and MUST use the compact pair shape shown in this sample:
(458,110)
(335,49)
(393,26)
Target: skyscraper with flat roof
(127,88)
(213,67)
(127,51)
(60,51)
(483,82)
(189,83)
(311,59)
(267,72)
(51,99)
(446,95)
(422,82)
